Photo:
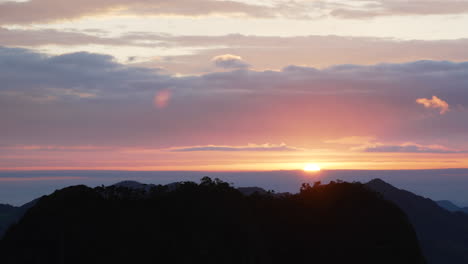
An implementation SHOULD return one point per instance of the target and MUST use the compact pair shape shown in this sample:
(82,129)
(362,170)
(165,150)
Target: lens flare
(162,98)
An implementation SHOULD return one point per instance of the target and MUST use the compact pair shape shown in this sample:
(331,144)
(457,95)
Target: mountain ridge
(443,235)
(212,222)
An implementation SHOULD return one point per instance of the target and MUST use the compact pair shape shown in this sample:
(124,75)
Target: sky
(240,85)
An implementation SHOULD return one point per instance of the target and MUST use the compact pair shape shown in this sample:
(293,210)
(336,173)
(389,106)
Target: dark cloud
(26,74)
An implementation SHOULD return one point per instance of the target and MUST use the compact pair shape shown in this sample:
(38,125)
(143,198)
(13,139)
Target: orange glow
(142,159)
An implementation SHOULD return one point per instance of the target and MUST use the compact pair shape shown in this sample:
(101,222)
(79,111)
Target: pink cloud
(435,102)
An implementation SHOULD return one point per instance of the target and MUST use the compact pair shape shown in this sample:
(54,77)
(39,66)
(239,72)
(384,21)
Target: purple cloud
(250,147)
(411,148)
(84,99)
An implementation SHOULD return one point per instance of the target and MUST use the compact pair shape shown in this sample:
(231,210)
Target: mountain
(252,190)
(443,235)
(448,205)
(134,185)
(10,214)
(212,222)
(6,216)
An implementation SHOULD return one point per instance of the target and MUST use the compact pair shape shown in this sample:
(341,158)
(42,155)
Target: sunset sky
(233,85)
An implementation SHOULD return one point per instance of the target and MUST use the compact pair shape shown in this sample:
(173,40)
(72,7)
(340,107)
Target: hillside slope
(443,235)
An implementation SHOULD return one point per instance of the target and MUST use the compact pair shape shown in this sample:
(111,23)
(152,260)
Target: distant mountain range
(443,235)
(448,205)
(11,214)
(441,227)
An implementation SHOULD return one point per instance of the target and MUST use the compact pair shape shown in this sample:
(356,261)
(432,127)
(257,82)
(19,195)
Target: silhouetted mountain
(252,190)
(443,235)
(134,185)
(212,222)
(6,213)
(11,214)
(448,205)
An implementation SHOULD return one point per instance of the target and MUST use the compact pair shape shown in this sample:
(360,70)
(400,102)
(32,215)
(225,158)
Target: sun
(311,167)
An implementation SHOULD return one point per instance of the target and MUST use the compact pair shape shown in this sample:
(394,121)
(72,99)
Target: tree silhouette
(211,222)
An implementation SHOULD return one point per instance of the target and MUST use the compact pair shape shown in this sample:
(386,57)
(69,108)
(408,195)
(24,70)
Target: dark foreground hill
(443,235)
(211,222)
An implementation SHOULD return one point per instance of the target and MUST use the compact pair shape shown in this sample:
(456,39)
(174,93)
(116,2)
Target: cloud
(22,37)
(81,75)
(435,102)
(229,61)
(54,148)
(30,179)
(306,50)
(48,11)
(256,50)
(44,100)
(376,8)
(410,148)
(250,147)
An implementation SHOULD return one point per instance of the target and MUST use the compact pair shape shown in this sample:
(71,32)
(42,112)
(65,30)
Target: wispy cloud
(46,11)
(250,147)
(376,8)
(49,11)
(353,140)
(253,50)
(410,148)
(55,148)
(29,179)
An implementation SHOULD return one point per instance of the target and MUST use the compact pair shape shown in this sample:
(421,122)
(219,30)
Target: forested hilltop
(212,222)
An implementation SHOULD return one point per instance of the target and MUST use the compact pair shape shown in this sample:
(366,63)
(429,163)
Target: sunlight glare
(311,168)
